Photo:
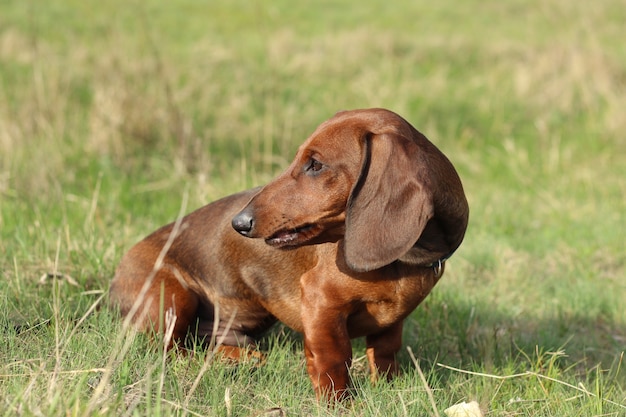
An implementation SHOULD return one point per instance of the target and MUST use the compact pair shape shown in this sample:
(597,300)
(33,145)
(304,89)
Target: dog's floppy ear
(389,205)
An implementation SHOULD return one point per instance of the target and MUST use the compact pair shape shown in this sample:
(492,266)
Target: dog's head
(369,177)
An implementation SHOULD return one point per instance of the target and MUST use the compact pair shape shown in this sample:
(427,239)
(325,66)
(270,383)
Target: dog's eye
(314,166)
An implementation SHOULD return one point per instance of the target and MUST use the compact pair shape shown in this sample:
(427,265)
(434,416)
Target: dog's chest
(387,302)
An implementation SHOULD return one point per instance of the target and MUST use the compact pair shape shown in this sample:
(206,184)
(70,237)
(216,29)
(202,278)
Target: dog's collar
(437,266)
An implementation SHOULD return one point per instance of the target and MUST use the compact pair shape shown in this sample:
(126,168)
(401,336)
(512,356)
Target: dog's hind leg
(153,298)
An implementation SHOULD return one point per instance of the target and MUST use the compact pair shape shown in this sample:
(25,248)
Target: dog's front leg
(327,348)
(381,351)
(328,358)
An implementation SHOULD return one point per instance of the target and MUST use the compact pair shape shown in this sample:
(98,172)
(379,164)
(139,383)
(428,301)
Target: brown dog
(348,241)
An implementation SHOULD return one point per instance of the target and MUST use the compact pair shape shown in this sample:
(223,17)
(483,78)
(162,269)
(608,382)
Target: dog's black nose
(243,222)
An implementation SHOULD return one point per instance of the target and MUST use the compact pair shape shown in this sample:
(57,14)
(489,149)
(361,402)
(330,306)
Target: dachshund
(345,243)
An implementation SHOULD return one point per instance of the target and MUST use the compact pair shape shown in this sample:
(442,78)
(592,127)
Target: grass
(114,114)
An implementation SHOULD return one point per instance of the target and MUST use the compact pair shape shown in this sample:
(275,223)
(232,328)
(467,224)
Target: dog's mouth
(292,237)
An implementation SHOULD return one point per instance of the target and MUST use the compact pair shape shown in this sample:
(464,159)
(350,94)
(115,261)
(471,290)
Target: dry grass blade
(211,354)
(120,351)
(533,374)
(429,391)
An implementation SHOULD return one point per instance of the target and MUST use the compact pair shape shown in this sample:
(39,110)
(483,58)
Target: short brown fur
(345,243)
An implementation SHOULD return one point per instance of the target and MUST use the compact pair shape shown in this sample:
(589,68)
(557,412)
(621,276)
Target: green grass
(113,113)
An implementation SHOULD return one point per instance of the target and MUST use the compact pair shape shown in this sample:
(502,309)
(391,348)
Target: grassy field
(117,116)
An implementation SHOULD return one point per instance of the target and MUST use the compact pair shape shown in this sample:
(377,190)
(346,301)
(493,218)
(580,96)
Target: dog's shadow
(449,330)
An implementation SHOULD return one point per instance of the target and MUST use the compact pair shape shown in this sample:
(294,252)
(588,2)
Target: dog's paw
(237,355)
